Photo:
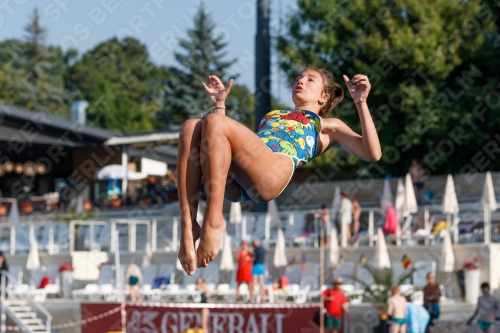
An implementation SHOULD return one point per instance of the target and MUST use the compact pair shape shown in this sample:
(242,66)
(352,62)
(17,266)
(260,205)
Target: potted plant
(472,279)
(379,292)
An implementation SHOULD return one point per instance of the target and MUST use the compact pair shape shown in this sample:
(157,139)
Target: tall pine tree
(184,96)
(34,72)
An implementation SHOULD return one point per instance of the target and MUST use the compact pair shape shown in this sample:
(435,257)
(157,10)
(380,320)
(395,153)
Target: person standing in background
(324,223)
(356,213)
(134,278)
(244,272)
(487,307)
(336,305)
(432,294)
(205,295)
(258,270)
(345,218)
(418,177)
(397,310)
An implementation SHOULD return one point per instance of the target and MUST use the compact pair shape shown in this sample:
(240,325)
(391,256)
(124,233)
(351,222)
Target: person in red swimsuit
(244,273)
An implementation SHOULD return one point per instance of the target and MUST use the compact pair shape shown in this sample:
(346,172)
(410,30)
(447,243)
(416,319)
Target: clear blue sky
(156,23)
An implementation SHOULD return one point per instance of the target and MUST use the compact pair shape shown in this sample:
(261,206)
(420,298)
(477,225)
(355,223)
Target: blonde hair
(394,289)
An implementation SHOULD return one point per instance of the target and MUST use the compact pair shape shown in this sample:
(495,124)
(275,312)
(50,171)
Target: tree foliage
(203,55)
(121,84)
(32,72)
(427,64)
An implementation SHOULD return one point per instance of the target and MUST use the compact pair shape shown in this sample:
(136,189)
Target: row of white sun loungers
(303,286)
(16,287)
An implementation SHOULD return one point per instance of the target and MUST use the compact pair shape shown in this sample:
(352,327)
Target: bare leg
(204,319)
(403,328)
(188,183)
(131,291)
(348,236)
(252,289)
(262,290)
(226,145)
(238,291)
(394,328)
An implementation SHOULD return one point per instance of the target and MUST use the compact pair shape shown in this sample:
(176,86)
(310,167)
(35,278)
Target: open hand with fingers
(359,87)
(216,90)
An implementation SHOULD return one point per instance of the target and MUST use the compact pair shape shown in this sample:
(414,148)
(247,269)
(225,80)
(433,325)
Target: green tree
(411,51)
(184,96)
(121,84)
(33,72)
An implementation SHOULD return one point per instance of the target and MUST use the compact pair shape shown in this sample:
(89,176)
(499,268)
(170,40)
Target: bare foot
(210,238)
(187,252)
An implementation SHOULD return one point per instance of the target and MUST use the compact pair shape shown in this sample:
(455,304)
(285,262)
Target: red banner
(223,318)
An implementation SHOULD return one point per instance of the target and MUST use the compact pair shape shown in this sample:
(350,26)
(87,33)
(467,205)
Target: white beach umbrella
(447,261)
(272,215)
(399,201)
(226,260)
(117,171)
(235,213)
(381,259)
(488,198)
(280,251)
(334,249)
(449,204)
(410,206)
(386,199)
(14,220)
(33,261)
(334,210)
(147,256)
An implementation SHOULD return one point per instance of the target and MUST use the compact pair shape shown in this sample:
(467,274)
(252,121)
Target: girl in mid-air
(240,165)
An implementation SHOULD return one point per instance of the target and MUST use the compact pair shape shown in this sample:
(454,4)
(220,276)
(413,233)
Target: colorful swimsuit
(291,133)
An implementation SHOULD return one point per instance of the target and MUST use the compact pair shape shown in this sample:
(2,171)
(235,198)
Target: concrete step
(19,308)
(31,321)
(30,314)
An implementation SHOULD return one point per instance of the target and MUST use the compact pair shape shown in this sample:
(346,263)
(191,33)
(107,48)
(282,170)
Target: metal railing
(25,297)
(163,231)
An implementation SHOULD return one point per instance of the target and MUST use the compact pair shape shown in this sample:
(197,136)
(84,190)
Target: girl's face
(308,89)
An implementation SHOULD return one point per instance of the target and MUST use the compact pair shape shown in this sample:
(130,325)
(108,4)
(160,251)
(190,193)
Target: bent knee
(214,120)
(190,126)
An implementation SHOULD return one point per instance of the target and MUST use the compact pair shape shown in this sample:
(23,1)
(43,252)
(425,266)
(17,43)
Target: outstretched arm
(367,145)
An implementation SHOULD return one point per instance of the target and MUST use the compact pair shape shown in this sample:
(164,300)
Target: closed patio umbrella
(386,199)
(226,260)
(33,261)
(334,249)
(14,220)
(447,261)
(280,251)
(381,259)
(489,204)
(334,210)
